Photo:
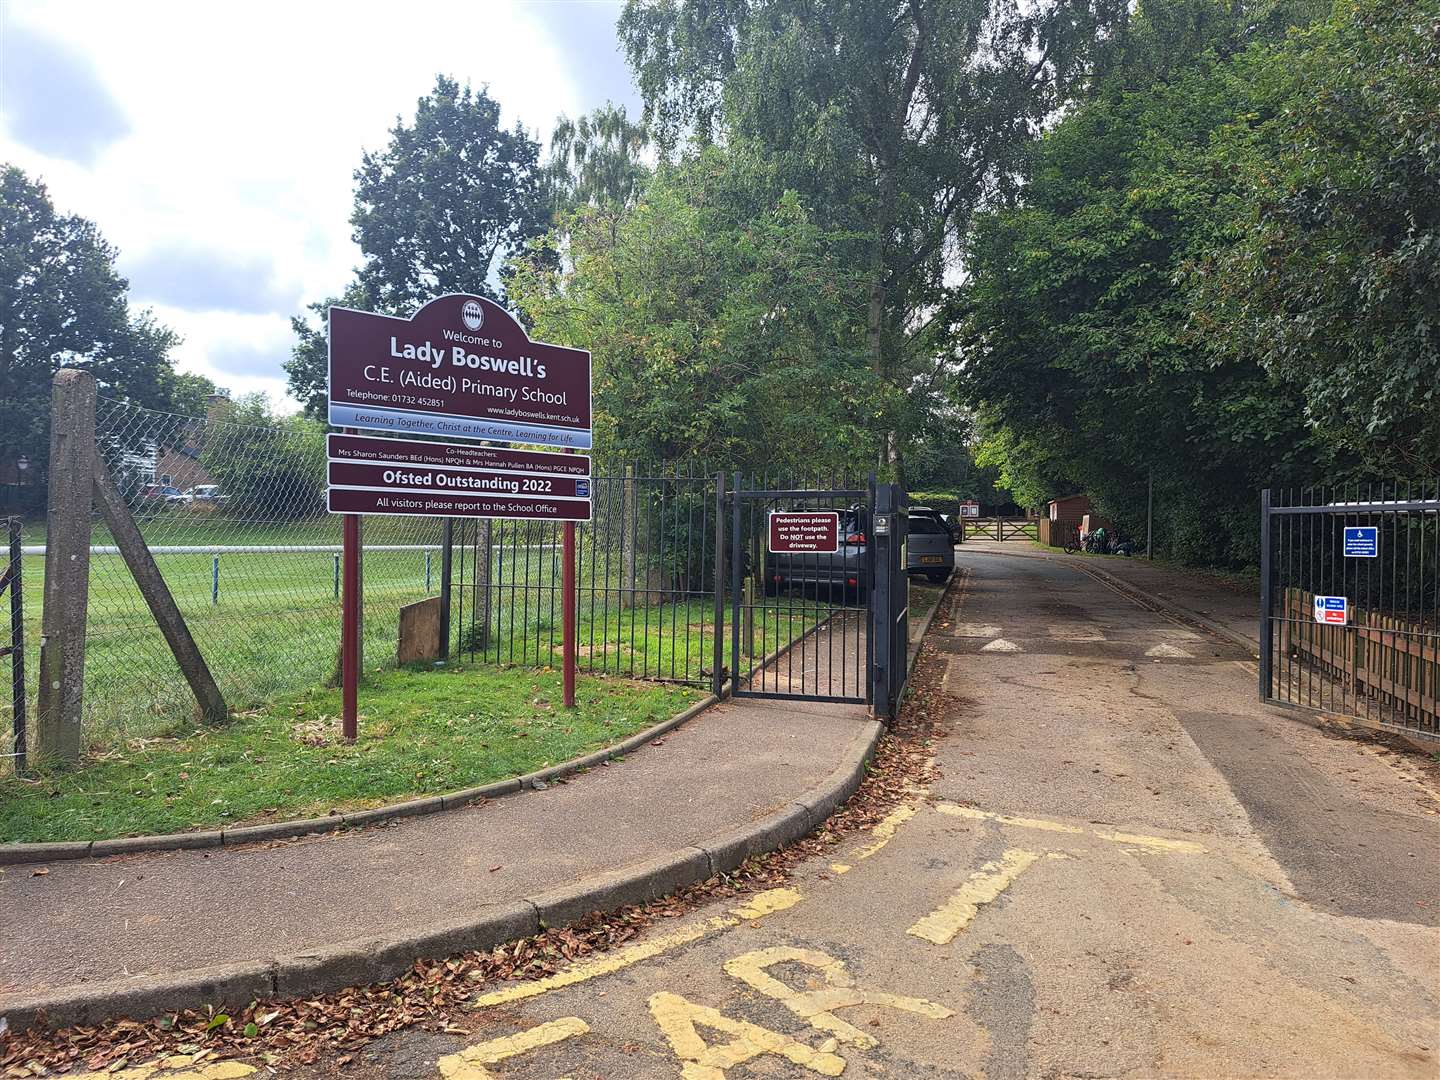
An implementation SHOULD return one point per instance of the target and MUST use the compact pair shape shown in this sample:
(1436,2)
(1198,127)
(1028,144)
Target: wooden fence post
(60,701)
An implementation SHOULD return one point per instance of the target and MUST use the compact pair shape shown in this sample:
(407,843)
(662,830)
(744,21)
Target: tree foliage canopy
(596,159)
(720,327)
(62,304)
(439,210)
(1332,280)
(894,123)
(1213,275)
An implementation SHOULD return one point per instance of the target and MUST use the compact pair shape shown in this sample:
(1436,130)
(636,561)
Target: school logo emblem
(473,315)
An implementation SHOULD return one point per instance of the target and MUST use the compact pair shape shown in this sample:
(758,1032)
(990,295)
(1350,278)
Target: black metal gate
(800,621)
(1350,603)
(821,624)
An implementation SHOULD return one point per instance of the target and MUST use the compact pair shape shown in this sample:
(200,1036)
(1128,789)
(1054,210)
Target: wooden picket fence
(1390,665)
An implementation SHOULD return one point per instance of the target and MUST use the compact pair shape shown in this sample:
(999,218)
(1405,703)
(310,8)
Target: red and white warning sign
(1331,610)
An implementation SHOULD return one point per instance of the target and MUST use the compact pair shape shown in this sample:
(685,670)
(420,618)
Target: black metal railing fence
(1381,662)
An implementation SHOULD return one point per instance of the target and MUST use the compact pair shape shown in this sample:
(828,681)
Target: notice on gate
(368,475)
(1331,610)
(1362,542)
(815,532)
(461,366)
(969,509)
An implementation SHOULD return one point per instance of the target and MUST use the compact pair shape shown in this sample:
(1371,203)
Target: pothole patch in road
(1001,645)
(1168,651)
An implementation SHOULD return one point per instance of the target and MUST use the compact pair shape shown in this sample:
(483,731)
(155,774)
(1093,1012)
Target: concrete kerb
(13,854)
(332,968)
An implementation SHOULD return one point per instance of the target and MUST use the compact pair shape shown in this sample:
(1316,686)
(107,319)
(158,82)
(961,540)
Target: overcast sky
(214,145)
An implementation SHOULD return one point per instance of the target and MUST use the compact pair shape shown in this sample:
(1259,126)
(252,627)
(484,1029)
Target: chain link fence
(234,515)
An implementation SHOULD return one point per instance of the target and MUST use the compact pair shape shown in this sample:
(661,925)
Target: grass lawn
(273,628)
(422,732)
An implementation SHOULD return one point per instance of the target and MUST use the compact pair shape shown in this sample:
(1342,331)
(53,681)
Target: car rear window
(927,525)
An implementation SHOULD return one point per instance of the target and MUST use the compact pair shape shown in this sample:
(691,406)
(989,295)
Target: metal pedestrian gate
(1350,603)
(809,569)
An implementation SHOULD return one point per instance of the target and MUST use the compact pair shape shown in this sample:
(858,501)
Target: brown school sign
(461,366)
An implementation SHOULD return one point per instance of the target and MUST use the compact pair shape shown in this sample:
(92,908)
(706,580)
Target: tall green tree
(439,210)
(62,304)
(596,159)
(895,122)
(272,468)
(1331,277)
(720,324)
(1083,354)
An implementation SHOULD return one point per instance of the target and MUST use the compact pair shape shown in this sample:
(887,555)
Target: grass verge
(422,732)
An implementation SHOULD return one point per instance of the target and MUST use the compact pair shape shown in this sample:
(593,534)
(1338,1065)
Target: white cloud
(245,123)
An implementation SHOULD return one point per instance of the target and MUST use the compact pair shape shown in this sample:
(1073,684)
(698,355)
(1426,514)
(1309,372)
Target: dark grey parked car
(936,515)
(929,549)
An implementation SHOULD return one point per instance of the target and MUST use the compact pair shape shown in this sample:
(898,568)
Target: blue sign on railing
(1362,541)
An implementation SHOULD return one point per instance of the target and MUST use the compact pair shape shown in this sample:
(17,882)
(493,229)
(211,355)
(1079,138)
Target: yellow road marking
(175,1067)
(1155,843)
(884,832)
(767,903)
(758,906)
(982,887)
(817,1007)
(469,1064)
(1005,819)
(700,1060)
(840,868)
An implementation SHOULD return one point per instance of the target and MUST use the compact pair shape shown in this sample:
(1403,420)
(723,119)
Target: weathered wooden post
(60,700)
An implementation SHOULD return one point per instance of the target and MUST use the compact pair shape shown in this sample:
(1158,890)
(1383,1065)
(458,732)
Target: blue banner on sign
(1362,541)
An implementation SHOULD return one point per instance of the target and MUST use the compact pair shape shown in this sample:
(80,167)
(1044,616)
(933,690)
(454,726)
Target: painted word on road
(1362,541)
(405,476)
(460,366)
(1331,610)
(816,532)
